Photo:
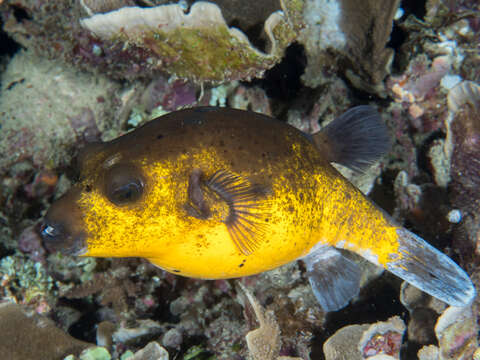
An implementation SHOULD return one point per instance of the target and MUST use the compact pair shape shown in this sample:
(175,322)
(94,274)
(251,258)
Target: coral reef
(113,41)
(463,144)
(198,45)
(26,282)
(151,351)
(338,31)
(57,94)
(456,331)
(26,335)
(47,107)
(366,341)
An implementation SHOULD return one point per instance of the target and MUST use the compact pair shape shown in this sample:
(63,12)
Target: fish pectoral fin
(335,280)
(433,272)
(248,209)
(196,205)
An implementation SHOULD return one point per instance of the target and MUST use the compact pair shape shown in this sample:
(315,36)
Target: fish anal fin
(430,270)
(334,279)
(248,209)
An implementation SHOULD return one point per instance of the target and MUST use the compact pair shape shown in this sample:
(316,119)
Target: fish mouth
(56,238)
(62,227)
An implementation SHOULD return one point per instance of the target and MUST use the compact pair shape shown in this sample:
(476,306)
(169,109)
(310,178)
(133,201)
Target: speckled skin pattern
(307,203)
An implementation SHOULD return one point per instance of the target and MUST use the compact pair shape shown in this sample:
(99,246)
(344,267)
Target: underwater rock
(144,329)
(420,326)
(343,344)
(194,43)
(173,338)
(428,353)
(27,335)
(39,98)
(413,298)
(464,104)
(287,292)
(357,36)
(105,331)
(383,338)
(456,331)
(264,342)
(424,311)
(440,162)
(250,98)
(207,309)
(159,97)
(153,351)
(199,45)
(95,353)
(366,341)
(30,242)
(463,145)
(27,282)
(419,93)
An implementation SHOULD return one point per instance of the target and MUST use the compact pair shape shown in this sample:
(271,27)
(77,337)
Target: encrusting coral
(355,37)
(198,45)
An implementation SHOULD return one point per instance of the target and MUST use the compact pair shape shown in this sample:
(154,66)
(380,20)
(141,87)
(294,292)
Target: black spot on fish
(160,136)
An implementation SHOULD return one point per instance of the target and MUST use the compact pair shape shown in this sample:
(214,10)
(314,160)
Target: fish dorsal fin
(356,139)
(247,213)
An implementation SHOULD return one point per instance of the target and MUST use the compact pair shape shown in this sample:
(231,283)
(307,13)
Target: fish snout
(62,228)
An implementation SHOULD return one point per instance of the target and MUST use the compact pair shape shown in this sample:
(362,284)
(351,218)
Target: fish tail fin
(430,270)
(356,139)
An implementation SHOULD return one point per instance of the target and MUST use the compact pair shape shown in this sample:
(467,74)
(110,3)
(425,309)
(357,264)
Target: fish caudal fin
(356,139)
(335,280)
(431,271)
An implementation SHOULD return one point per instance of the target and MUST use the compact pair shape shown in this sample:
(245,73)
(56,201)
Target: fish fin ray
(248,209)
(430,270)
(196,205)
(334,279)
(356,139)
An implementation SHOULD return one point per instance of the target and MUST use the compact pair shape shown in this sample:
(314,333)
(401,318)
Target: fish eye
(123,184)
(50,232)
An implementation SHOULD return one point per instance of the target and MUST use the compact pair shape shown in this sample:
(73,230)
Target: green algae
(95,353)
(24,279)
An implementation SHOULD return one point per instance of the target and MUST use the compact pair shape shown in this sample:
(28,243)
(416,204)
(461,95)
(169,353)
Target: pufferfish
(216,193)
